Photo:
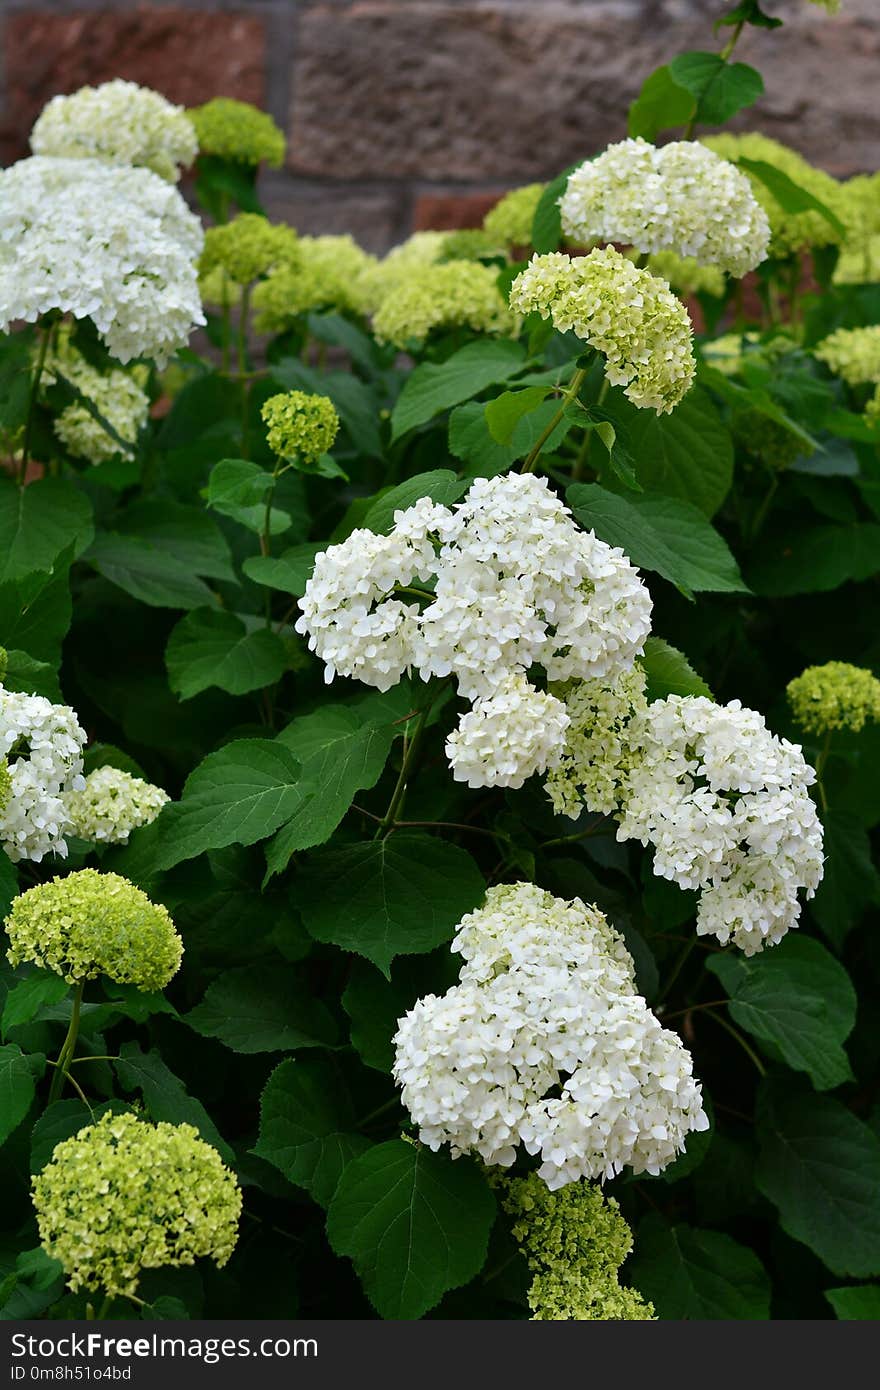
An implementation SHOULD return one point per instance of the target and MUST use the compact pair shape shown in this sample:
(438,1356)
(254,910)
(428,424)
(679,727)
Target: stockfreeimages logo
(92,1346)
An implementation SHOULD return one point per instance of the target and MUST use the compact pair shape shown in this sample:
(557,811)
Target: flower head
(116,395)
(121,123)
(299,425)
(507,736)
(627,314)
(5,785)
(852,353)
(90,924)
(123,1195)
(597,756)
(872,409)
(789,231)
(238,131)
(509,223)
(834,696)
(680,197)
(454,294)
(249,247)
(325,276)
(112,804)
(43,745)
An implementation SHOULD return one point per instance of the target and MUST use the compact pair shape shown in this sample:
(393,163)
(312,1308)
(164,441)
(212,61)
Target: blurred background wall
(417,113)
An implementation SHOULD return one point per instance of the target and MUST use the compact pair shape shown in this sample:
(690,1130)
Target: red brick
(449,212)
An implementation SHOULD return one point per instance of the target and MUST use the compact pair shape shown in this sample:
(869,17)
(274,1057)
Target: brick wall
(414,113)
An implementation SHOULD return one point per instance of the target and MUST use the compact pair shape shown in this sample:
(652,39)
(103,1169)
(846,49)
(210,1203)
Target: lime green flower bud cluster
(686,275)
(469,244)
(248,247)
(574,1241)
(122,1196)
(90,924)
(872,409)
(215,287)
(789,231)
(834,696)
(5,785)
(766,439)
(299,425)
(510,221)
(325,276)
(598,755)
(832,6)
(238,131)
(456,294)
(852,353)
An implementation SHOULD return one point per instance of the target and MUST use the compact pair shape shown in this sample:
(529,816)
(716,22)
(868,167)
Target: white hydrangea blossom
(116,394)
(43,744)
(111,803)
(681,197)
(598,756)
(726,805)
(114,244)
(507,736)
(120,123)
(546,1002)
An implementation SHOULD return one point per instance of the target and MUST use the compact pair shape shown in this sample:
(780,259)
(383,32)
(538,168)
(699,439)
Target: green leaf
(669,672)
(505,412)
(8,883)
(35,612)
(811,559)
(859,1302)
(789,195)
(288,572)
(661,104)
(262,1008)
(238,489)
(660,533)
(187,534)
(433,387)
(798,998)
(749,12)
(165,1096)
(721,88)
(820,1167)
(32,677)
(392,897)
(374,1004)
(441,485)
(688,454)
(146,572)
(39,522)
(546,223)
(307,1125)
(692,1274)
(28,996)
(212,647)
(16,1089)
(470,440)
(851,882)
(414,1224)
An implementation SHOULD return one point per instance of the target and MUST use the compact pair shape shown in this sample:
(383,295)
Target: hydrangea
(687,275)
(872,409)
(111,804)
(627,314)
(507,736)
(248,247)
(544,1043)
(509,223)
(113,244)
(215,287)
(597,756)
(852,353)
(726,806)
(116,395)
(834,696)
(455,294)
(118,122)
(90,924)
(325,277)
(789,231)
(5,785)
(469,244)
(832,6)
(122,1195)
(299,425)
(574,1242)
(238,131)
(766,439)
(378,280)
(680,197)
(43,744)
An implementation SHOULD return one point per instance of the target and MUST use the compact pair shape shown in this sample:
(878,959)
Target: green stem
(379,1111)
(735,1033)
(571,391)
(820,769)
(677,967)
(67,1047)
(580,462)
(409,758)
(761,513)
(32,404)
(242,366)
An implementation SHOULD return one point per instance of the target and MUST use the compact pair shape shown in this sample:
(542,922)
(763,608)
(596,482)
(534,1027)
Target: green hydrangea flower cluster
(248,247)
(872,409)
(686,275)
(91,923)
(598,757)
(123,1195)
(834,696)
(469,244)
(852,353)
(510,221)
(238,131)
(455,294)
(5,785)
(325,277)
(216,288)
(629,315)
(116,394)
(789,231)
(377,282)
(574,1241)
(299,425)
(766,439)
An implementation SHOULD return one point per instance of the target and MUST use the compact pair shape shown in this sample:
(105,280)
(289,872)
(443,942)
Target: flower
(834,696)
(789,231)
(629,315)
(859,259)
(300,425)
(5,785)
(455,294)
(90,924)
(111,804)
(574,1241)
(507,736)
(852,353)
(122,1195)
(248,247)
(116,396)
(238,131)
(110,243)
(377,280)
(509,223)
(597,755)
(767,439)
(121,123)
(43,745)
(325,276)
(872,409)
(681,197)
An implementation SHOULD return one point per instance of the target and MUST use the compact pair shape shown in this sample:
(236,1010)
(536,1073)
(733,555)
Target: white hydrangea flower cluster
(120,123)
(598,755)
(111,804)
(110,243)
(545,1003)
(117,396)
(518,584)
(681,197)
(43,744)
